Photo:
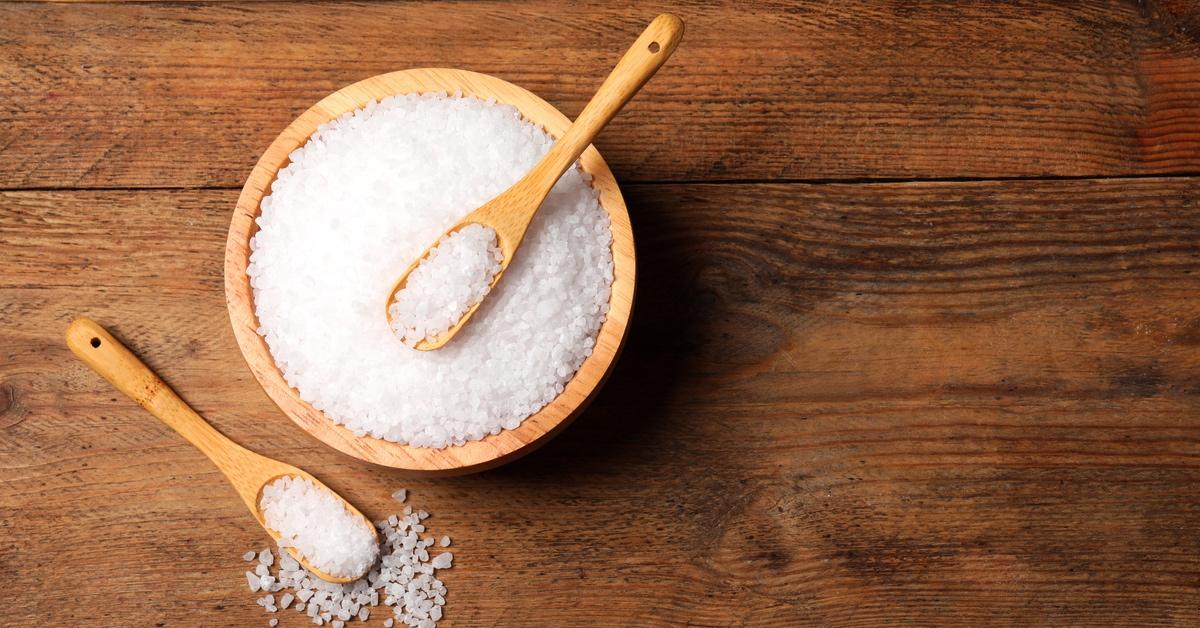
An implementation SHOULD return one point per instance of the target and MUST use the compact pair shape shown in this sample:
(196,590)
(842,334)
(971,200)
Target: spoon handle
(92,344)
(641,61)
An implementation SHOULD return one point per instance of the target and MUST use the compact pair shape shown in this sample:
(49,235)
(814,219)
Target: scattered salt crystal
(265,557)
(404,574)
(405,180)
(274,622)
(249,556)
(252,580)
(400,496)
(442,561)
(317,523)
(445,541)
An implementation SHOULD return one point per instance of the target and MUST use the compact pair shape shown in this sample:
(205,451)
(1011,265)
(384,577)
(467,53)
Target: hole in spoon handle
(647,54)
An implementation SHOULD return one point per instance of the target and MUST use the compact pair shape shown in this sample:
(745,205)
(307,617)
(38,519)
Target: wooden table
(917,337)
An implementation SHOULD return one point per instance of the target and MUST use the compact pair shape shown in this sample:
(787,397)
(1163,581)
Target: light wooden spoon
(510,212)
(247,471)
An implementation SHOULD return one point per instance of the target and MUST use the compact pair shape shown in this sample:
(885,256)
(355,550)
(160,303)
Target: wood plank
(963,403)
(186,95)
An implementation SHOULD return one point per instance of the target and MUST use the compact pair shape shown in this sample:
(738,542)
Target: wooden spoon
(247,471)
(509,213)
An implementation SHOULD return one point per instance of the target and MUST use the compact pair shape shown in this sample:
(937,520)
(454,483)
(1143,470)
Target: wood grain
(189,94)
(962,403)
(495,449)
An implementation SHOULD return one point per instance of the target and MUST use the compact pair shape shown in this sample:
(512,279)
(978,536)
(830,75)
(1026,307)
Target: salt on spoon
(455,275)
(411,315)
(250,474)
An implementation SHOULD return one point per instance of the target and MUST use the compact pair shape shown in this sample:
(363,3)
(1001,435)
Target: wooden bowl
(476,455)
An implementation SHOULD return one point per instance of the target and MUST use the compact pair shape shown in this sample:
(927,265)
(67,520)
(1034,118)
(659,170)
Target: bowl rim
(495,449)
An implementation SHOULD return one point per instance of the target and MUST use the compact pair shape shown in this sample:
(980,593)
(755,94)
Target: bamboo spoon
(509,213)
(247,471)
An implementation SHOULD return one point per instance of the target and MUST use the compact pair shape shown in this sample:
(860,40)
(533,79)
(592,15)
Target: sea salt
(317,524)
(363,199)
(457,274)
(400,578)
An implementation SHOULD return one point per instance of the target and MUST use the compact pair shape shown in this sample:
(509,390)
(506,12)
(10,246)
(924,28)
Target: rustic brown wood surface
(860,403)
(111,95)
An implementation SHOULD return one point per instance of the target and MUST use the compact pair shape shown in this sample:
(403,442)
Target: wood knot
(11,413)
(8,398)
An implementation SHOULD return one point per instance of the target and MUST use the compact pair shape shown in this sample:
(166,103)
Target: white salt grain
(445,541)
(357,204)
(456,275)
(249,556)
(442,561)
(400,496)
(318,525)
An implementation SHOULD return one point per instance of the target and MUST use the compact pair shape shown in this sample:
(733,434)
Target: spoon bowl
(429,344)
(494,449)
(247,471)
(281,470)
